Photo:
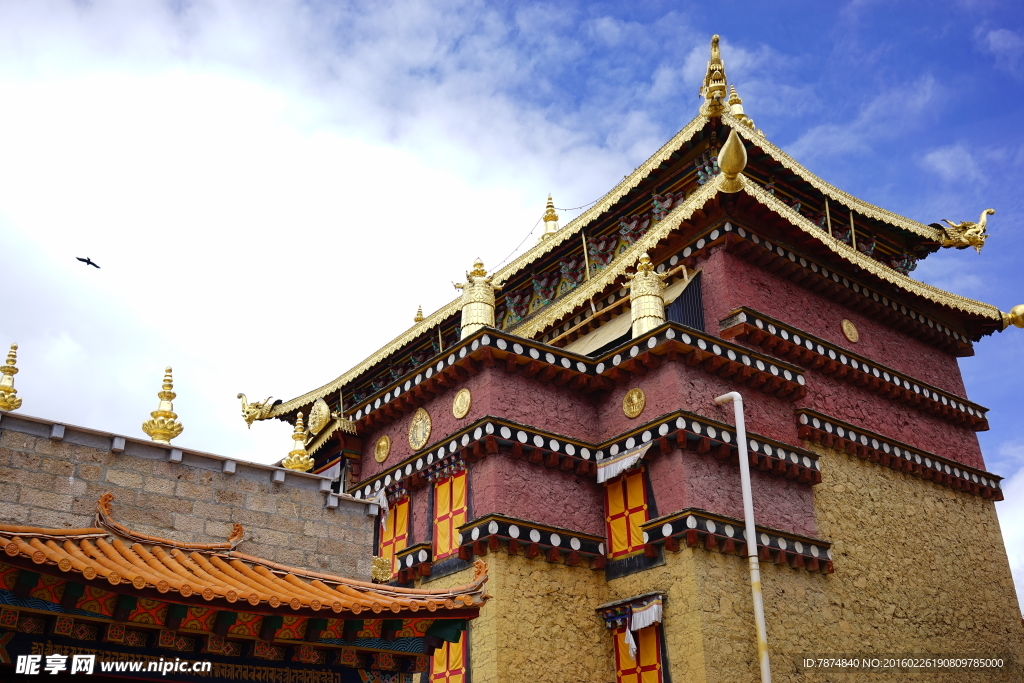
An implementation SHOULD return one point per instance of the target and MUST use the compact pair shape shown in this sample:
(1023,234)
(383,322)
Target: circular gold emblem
(850,330)
(419,429)
(633,402)
(383,449)
(460,406)
(319,415)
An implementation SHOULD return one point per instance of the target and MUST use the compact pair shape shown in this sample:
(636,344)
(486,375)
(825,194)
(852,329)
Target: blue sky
(272,189)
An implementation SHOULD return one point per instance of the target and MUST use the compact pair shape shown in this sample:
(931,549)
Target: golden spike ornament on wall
(419,315)
(968,233)
(732,159)
(550,221)
(646,296)
(8,394)
(298,459)
(1015,317)
(257,410)
(477,299)
(713,90)
(163,425)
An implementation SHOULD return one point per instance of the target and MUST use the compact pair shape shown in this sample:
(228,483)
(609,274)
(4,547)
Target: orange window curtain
(395,535)
(448,663)
(646,668)
(626,509)
(449,514)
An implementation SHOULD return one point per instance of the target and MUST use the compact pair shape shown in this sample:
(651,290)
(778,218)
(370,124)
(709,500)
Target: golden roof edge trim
(905,283)
(834,193)
(573,228)
(579,296)
(433,320)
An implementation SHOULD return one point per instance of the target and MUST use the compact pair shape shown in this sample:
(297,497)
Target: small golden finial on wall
(298,459)
(419,315)
(477,299)
(550,221)
(163,425)
(8,394)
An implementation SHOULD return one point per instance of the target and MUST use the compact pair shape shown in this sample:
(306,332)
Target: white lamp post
(751,534)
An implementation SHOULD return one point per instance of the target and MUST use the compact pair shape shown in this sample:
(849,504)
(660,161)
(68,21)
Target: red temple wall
(730,282)
(500,484)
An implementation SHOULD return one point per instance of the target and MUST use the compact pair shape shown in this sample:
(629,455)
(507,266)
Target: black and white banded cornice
(819,355)
(679,429)
(833,433)
(811,274)
(701,529)
(493,348)
(554,544)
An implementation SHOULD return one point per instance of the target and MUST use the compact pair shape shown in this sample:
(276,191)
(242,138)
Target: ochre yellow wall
(918,569)
(539,625)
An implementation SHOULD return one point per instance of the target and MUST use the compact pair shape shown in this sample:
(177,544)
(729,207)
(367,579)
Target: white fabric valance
(609,468)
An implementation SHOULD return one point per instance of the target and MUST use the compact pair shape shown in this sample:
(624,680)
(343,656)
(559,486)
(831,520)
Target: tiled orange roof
(216,572)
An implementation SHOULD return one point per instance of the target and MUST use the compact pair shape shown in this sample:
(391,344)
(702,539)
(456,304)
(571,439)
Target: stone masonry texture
(56,484)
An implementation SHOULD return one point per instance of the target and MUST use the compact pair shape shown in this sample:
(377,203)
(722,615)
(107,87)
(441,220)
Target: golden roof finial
(298,459)
(419,315)
(1015,317)
(478,269)
(8,394)
(713,89)
(550,221)
(163,425)
(732,159)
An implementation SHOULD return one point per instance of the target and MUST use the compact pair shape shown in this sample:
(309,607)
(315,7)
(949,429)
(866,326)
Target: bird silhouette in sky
(87,261)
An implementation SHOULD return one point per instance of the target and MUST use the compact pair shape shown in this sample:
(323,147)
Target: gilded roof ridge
(861,206)
(904,282)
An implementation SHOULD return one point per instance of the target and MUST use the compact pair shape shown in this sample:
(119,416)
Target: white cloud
(1007,47)
(883,118)
(271,190)
(953,163)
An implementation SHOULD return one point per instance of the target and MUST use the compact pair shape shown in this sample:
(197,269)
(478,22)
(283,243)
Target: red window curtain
(450,510)
(625,511)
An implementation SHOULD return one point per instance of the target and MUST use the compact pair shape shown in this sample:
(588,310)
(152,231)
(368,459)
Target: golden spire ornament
(8,394)
(550,221)
(419,315)
(163,425)
(298,459)
(732,159)
(713,90)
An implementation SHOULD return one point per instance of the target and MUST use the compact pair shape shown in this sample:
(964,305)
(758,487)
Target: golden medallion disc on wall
(634,402)
(460,406)
(850,331)
(319,416)
(382,450)
(419,429)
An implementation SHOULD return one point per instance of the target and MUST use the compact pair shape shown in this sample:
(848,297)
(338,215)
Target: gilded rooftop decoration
(8,394)
(298,459)
(257,410)
(163,425)
(968,233)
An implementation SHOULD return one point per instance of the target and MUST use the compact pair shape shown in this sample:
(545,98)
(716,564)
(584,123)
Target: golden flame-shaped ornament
(732,160)
(163,425)
(298,459)
(8,394)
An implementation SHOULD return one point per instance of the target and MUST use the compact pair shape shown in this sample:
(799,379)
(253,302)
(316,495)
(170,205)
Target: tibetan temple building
(554,431)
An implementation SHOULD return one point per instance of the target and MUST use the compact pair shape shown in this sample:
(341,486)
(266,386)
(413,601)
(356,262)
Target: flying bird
(87,261)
